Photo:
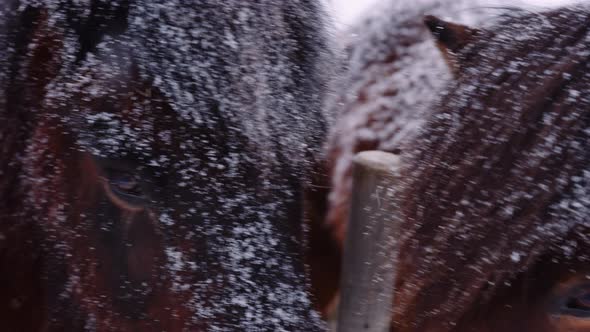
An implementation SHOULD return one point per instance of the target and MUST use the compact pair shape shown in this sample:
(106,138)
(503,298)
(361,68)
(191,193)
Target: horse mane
(498,179)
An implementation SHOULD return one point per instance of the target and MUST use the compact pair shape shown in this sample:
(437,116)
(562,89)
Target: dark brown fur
(493,206)
(217,238)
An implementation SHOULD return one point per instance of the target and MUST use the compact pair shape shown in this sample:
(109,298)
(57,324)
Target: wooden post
(368,269)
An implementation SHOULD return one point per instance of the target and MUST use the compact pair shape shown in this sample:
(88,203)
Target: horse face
(124,219)
(154,211)
(493,203)
(153,218)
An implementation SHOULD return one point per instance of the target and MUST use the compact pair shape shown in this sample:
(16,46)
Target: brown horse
(394,73)
(494,203)
(153,156)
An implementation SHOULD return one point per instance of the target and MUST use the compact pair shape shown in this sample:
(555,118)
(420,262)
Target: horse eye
(126,184)
(579,302)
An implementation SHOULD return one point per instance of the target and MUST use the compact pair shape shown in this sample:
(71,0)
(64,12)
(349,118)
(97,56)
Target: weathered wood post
(368,269)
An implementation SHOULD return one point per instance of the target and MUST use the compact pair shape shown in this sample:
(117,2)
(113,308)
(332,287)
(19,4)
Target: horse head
(493,203)
(156,155)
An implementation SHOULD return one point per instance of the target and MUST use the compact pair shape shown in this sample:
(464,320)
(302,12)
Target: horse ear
(450,37)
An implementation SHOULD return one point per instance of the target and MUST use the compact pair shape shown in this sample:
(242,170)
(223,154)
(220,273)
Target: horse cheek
(142,252)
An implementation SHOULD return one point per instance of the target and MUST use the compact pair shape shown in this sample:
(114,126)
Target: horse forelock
(188,52)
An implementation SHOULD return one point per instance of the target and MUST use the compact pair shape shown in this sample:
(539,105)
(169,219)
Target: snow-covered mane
(494,207)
